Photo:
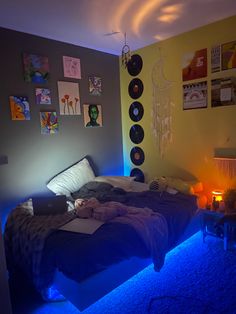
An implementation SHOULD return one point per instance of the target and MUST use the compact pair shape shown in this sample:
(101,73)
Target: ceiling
(102,24)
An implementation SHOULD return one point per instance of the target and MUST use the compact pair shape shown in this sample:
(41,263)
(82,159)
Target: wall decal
(95,85)
(223,92)
(92,115)
(69,99)
(43,96)
(195,95)
(194,65)
(19,108)
(228,57)
(71,67)
(49,122)
(36,68)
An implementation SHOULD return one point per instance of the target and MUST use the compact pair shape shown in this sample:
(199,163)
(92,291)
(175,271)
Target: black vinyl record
(135,65)
(136,133)
(135,88)
(136,111)
(138,174)
(137,156)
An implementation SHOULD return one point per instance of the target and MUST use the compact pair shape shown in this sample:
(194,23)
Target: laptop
(51,205)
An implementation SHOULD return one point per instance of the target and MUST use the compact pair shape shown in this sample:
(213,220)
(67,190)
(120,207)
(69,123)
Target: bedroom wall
(196,133)
(34,158)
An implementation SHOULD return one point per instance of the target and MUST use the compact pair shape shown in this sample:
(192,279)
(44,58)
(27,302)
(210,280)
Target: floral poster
(215,58)
(69,99)
(223,92)
(195,95)
(49,122)
(194,65)
(43,96)
(71,67)
(228,55)
(19,108)
(36,68)
(92,115)
(95,85)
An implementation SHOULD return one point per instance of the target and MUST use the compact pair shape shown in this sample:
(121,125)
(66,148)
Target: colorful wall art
(49,122)
(69,99)
(95,85)
(228,51)
(71,67)
(195,95)
(194,65)
(43,96)
(36,68)
(223,92)
(19,108)
(92,115)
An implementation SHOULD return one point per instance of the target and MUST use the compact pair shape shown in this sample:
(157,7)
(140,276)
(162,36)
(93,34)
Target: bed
(84,267)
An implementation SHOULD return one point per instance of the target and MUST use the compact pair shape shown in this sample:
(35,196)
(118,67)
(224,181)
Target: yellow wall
(197,132)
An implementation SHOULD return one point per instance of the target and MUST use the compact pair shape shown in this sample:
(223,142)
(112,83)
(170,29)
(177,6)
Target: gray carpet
(197,278)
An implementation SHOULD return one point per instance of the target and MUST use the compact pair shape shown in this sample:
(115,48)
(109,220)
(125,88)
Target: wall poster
(71,67)
(228,56)
(195,95)
(223,92)
(194,65)
(215,58)
(69,99)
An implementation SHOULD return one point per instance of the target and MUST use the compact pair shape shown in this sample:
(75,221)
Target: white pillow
(72,179)
(123,182)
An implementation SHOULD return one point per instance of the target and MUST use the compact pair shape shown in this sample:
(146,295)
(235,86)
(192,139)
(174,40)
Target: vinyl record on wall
(138,174)
(136,111)
(137,156)
(135,65)
(136,133)
(135,88)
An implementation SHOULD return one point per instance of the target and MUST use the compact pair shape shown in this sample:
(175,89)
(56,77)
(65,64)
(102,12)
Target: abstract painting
(36,68)
(194,65)
(19,108)
(49,122)
(95,85)
(71,67)
(69,99)
(43,96)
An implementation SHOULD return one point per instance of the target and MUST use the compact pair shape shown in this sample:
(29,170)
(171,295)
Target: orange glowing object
(217,196)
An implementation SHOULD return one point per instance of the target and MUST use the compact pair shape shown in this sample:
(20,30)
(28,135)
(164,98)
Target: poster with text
(194,65)
(69,99)
(223,92)
(215,58)
(195,95)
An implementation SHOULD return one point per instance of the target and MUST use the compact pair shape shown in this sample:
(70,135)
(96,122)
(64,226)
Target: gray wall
(34,158)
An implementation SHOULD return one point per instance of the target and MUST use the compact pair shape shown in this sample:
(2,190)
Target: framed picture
(43,96)
(215,58)
(92,115)
(19,107)
(69,98)
(49,122)
(223,92)
(36,68)
(228,55)
(71,67)
(95,85)
(195,95)
(194,65)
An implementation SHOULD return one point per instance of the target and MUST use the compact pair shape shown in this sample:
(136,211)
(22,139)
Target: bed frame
(87,292)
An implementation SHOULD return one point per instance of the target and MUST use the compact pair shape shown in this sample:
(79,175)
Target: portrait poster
(195,95)
(223,92)
(49,122)
(71,67)
(92,115)
(19,108)
(95,85)
(43,96)
(194,65)
(215,58)
(228,55)
(36,68)
(69,98)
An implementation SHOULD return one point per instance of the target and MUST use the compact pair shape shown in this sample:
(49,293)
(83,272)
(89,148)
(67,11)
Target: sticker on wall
(69,99)
(137,156)
(228,56)
(135,88)
(19,108)
(71,67)
(92,115)
(194,65)
(138,174)
(95,85)
(43,96)
(36,68)
(135,65)
(136,111)
(136,134)
(223,92)
(195,95)
(49,122)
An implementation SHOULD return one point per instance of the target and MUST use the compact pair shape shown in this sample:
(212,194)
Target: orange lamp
(217,196)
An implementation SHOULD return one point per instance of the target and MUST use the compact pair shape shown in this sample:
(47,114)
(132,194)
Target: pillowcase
(123,182)
(72,179)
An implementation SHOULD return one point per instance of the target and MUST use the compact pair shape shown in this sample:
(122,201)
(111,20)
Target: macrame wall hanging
(226,166)
(161,113)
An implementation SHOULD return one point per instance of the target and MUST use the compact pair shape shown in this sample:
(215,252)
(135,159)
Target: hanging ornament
(126,54)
